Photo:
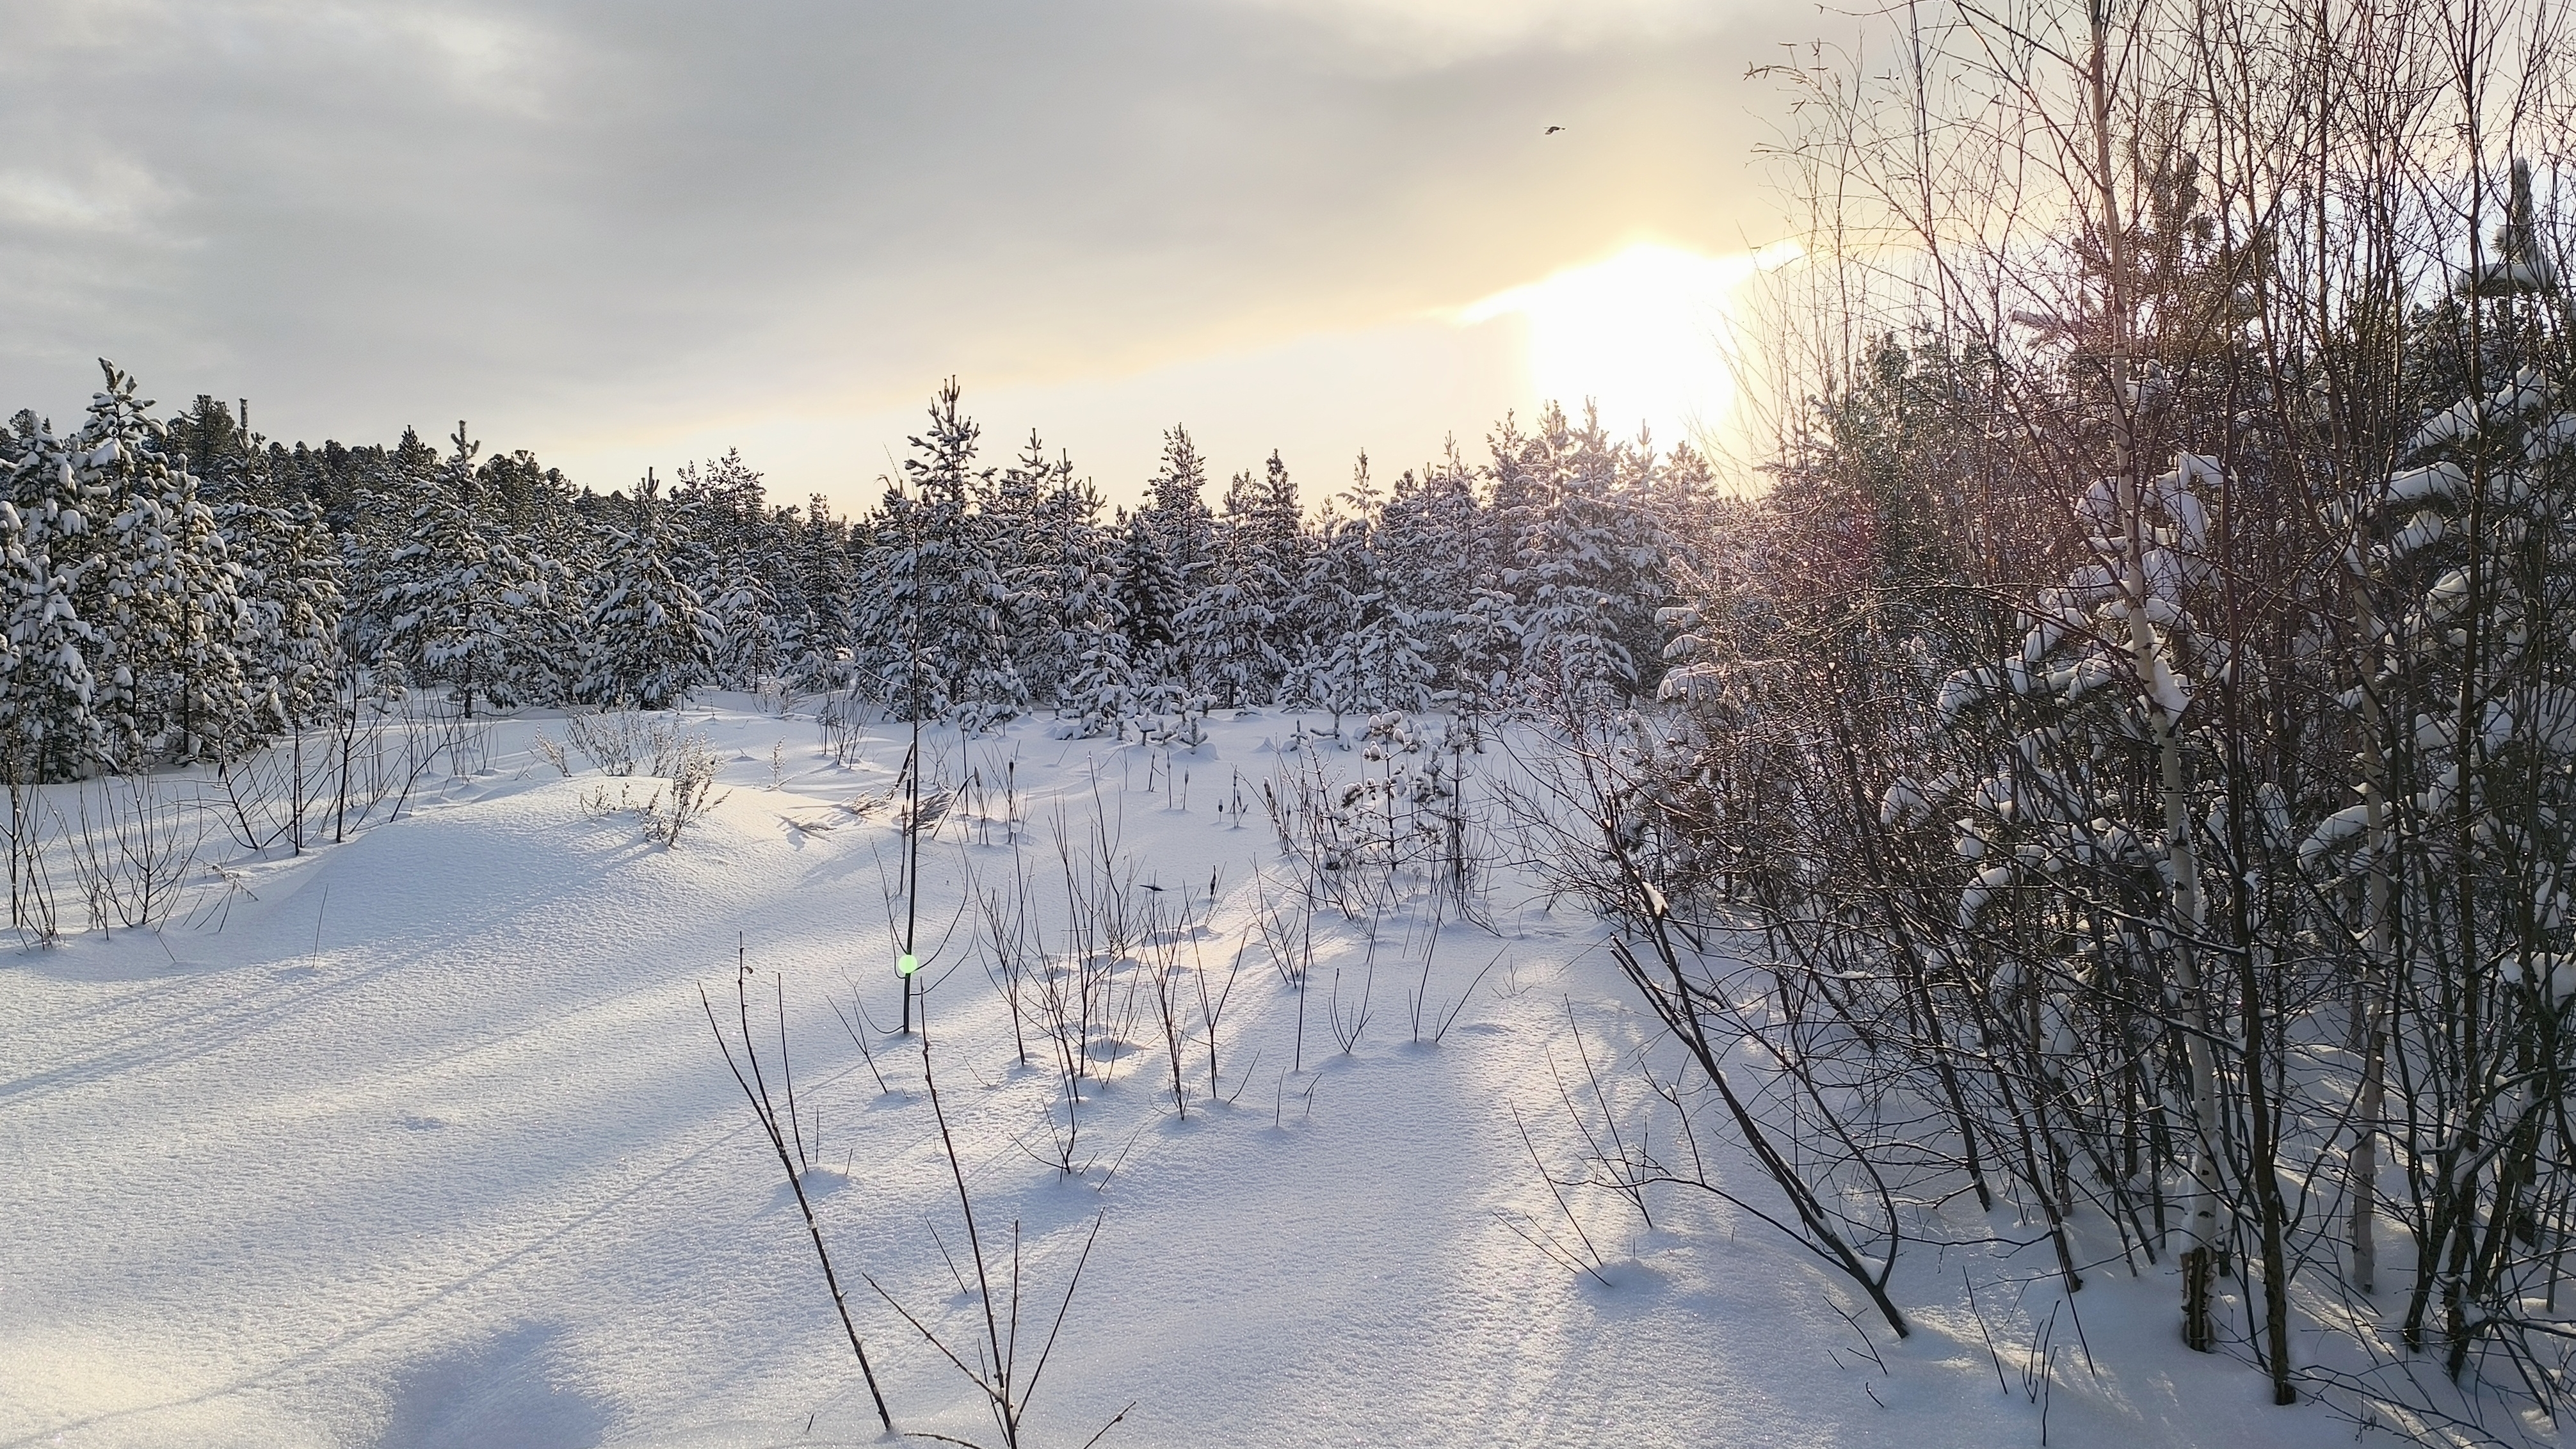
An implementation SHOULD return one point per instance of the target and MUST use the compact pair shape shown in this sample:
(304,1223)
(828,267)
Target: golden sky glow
(628,236)
(1650,334)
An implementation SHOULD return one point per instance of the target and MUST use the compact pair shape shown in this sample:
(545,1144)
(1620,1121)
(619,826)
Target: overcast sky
(628,234)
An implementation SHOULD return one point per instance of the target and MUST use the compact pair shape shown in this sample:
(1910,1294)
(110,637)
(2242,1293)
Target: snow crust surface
(423,1140)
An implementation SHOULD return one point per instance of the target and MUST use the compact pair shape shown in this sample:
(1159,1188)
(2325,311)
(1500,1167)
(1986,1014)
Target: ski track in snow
(421,1140)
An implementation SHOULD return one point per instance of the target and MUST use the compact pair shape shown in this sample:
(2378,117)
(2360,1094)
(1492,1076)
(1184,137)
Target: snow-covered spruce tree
(1032,526)
(647,640)
(1230,628)
(1100,695)
(1150,592)
(1361,652)
(942,648)
(50,730)
(451,597)
(1431,546)
(1584,565)
(818,598)
(291,605)
(731,557)
(1389,639)
(1160,567)
(158,592)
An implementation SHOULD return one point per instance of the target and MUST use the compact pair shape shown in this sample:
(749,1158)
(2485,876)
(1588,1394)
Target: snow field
(423,1140)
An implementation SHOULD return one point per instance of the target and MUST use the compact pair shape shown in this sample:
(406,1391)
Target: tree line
(180,589)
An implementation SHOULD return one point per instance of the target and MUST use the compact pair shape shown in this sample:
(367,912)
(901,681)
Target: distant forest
(179,589)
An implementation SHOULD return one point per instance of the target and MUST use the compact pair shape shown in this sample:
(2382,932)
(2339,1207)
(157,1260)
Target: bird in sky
(1552,130)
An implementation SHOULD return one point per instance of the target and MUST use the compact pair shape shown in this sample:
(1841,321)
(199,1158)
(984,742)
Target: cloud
(565,221)
(1425,34)
(100,194)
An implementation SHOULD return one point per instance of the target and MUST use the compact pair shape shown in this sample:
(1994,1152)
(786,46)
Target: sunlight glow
(1650,334)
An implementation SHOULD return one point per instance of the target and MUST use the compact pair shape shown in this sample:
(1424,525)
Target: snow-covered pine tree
(941,646)
(741,629)
(1430,548)
(566,574)
(1387,643)
(1150,589)
(1277,548)
(1176,521)
(1577,576)
(648,643)
(16,762)
(1076,647)
(216,447)
(1175,510)
(291,597)
(1100,694)
(534,511)
(818,598)
(452,598)
(50,730)
(2073,796)
(1038,529)
(729,556)
(374,533)
(1683,500)
(1313,615)
(168,681)
(1232,621)
(1348,638)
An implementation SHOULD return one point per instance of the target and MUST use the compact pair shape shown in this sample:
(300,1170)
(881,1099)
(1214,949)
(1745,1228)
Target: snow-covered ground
(423,1139)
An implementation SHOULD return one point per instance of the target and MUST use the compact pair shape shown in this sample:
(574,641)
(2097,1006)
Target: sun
(1649,334)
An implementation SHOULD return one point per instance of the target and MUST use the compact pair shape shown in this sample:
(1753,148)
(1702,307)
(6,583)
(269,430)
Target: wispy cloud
(106,194)
(1432,33)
